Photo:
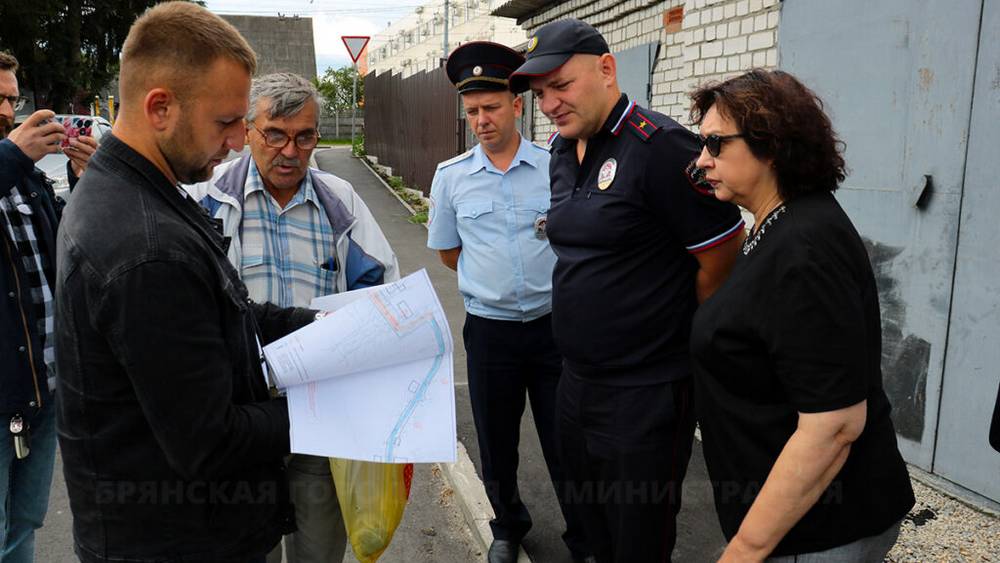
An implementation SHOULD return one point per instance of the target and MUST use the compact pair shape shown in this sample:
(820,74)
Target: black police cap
(482,65)
(552,45)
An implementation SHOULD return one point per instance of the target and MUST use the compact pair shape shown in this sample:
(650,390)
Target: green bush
(358,147)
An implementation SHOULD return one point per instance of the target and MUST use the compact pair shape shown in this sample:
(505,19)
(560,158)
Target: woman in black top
(797,436)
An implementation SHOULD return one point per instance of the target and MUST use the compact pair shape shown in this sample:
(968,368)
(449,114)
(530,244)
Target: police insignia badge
(540,233)
(477,70)
(607,174)
(532,44)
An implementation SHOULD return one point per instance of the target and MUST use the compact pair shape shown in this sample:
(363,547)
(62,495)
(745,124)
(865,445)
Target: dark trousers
(506,361)
(625,451)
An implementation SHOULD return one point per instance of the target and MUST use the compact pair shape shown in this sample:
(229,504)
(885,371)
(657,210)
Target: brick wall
(717,39)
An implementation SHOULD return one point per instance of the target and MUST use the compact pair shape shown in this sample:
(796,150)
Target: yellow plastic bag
(372,498)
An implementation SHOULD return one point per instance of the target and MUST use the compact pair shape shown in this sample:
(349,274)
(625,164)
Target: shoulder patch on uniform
(455,159)
(696,177)
(641,125)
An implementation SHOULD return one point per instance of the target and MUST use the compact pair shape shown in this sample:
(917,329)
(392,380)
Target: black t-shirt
(796,328)
(623,225)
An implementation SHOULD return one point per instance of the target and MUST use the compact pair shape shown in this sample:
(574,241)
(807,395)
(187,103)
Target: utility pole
(444,54)
(354,103)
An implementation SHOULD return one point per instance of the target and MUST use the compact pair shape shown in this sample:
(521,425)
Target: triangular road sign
(355,45)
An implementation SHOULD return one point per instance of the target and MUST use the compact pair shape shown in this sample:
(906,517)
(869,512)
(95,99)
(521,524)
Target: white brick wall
(718,39)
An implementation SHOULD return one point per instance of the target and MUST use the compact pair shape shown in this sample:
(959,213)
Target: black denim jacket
(172,448)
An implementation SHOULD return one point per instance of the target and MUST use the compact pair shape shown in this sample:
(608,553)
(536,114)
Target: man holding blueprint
(296,233)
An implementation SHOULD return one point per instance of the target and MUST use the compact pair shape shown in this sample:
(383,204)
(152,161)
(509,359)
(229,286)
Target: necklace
(752,242)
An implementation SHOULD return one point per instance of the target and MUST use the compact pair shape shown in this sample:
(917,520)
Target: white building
(416,42)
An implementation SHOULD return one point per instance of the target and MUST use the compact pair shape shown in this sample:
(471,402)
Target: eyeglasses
(277,139)
(714,142)
(16,102)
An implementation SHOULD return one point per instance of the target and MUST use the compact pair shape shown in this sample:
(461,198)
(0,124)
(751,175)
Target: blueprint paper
(373,380)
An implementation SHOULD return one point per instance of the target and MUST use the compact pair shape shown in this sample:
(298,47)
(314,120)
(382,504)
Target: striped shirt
(17,219)
(287,253)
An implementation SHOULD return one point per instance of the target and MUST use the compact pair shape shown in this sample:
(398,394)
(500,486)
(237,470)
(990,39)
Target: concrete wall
(282,44)
(717,39)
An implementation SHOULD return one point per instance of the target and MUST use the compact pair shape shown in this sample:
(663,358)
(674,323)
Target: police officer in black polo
(638,244)
(487,221)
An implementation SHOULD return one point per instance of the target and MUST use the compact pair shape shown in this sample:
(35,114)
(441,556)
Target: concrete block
(772,19)
(718,14)
(649,25)
(743,7)
(730,10)
(760,22)
(698,35)
(710,33)
(692,53)
(710,66)
(746,61)
(760,59)
(735,45)
(722,31)
(711,49)
(674,51)
(746,26)
(756,5)
(772,58)
(761,40)
(734,28)
(691,19)
(699,68)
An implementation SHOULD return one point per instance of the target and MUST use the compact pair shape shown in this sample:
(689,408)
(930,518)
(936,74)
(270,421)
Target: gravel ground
(942,529)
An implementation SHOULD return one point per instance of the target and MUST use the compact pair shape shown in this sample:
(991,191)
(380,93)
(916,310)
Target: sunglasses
(714,142)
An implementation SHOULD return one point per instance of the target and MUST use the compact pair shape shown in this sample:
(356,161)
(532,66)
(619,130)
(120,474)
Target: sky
(331,20)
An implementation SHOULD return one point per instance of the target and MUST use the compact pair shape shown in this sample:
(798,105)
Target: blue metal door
(897,78)
(972,368)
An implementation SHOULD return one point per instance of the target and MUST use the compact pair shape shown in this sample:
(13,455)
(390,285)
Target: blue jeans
(24,486)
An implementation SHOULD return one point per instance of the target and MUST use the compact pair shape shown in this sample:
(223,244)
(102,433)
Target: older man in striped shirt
(296,233)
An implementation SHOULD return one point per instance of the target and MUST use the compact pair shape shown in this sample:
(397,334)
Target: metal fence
(338,125)
(412,124)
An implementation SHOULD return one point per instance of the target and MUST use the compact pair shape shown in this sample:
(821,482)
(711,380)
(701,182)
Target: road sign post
(355,46)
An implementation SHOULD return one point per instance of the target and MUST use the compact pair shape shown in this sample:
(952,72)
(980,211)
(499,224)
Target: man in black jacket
(29,213)
(172,446)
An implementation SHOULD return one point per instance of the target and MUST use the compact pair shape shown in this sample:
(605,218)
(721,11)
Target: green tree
(335,87)
(67,48)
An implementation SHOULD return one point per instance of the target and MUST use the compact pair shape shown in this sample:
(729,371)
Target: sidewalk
(699,538)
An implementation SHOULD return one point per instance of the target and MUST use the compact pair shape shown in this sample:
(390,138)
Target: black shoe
(502,551)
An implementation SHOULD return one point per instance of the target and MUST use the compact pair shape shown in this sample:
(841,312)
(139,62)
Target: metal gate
(972,368)
(898,78)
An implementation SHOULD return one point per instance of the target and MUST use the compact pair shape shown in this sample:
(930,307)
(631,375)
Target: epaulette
(455,159)
(642,126)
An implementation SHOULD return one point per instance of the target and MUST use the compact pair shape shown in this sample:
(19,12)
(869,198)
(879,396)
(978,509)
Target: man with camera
(29,214)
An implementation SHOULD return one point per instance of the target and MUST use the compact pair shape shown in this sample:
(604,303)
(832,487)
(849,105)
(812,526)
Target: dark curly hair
(783,121)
